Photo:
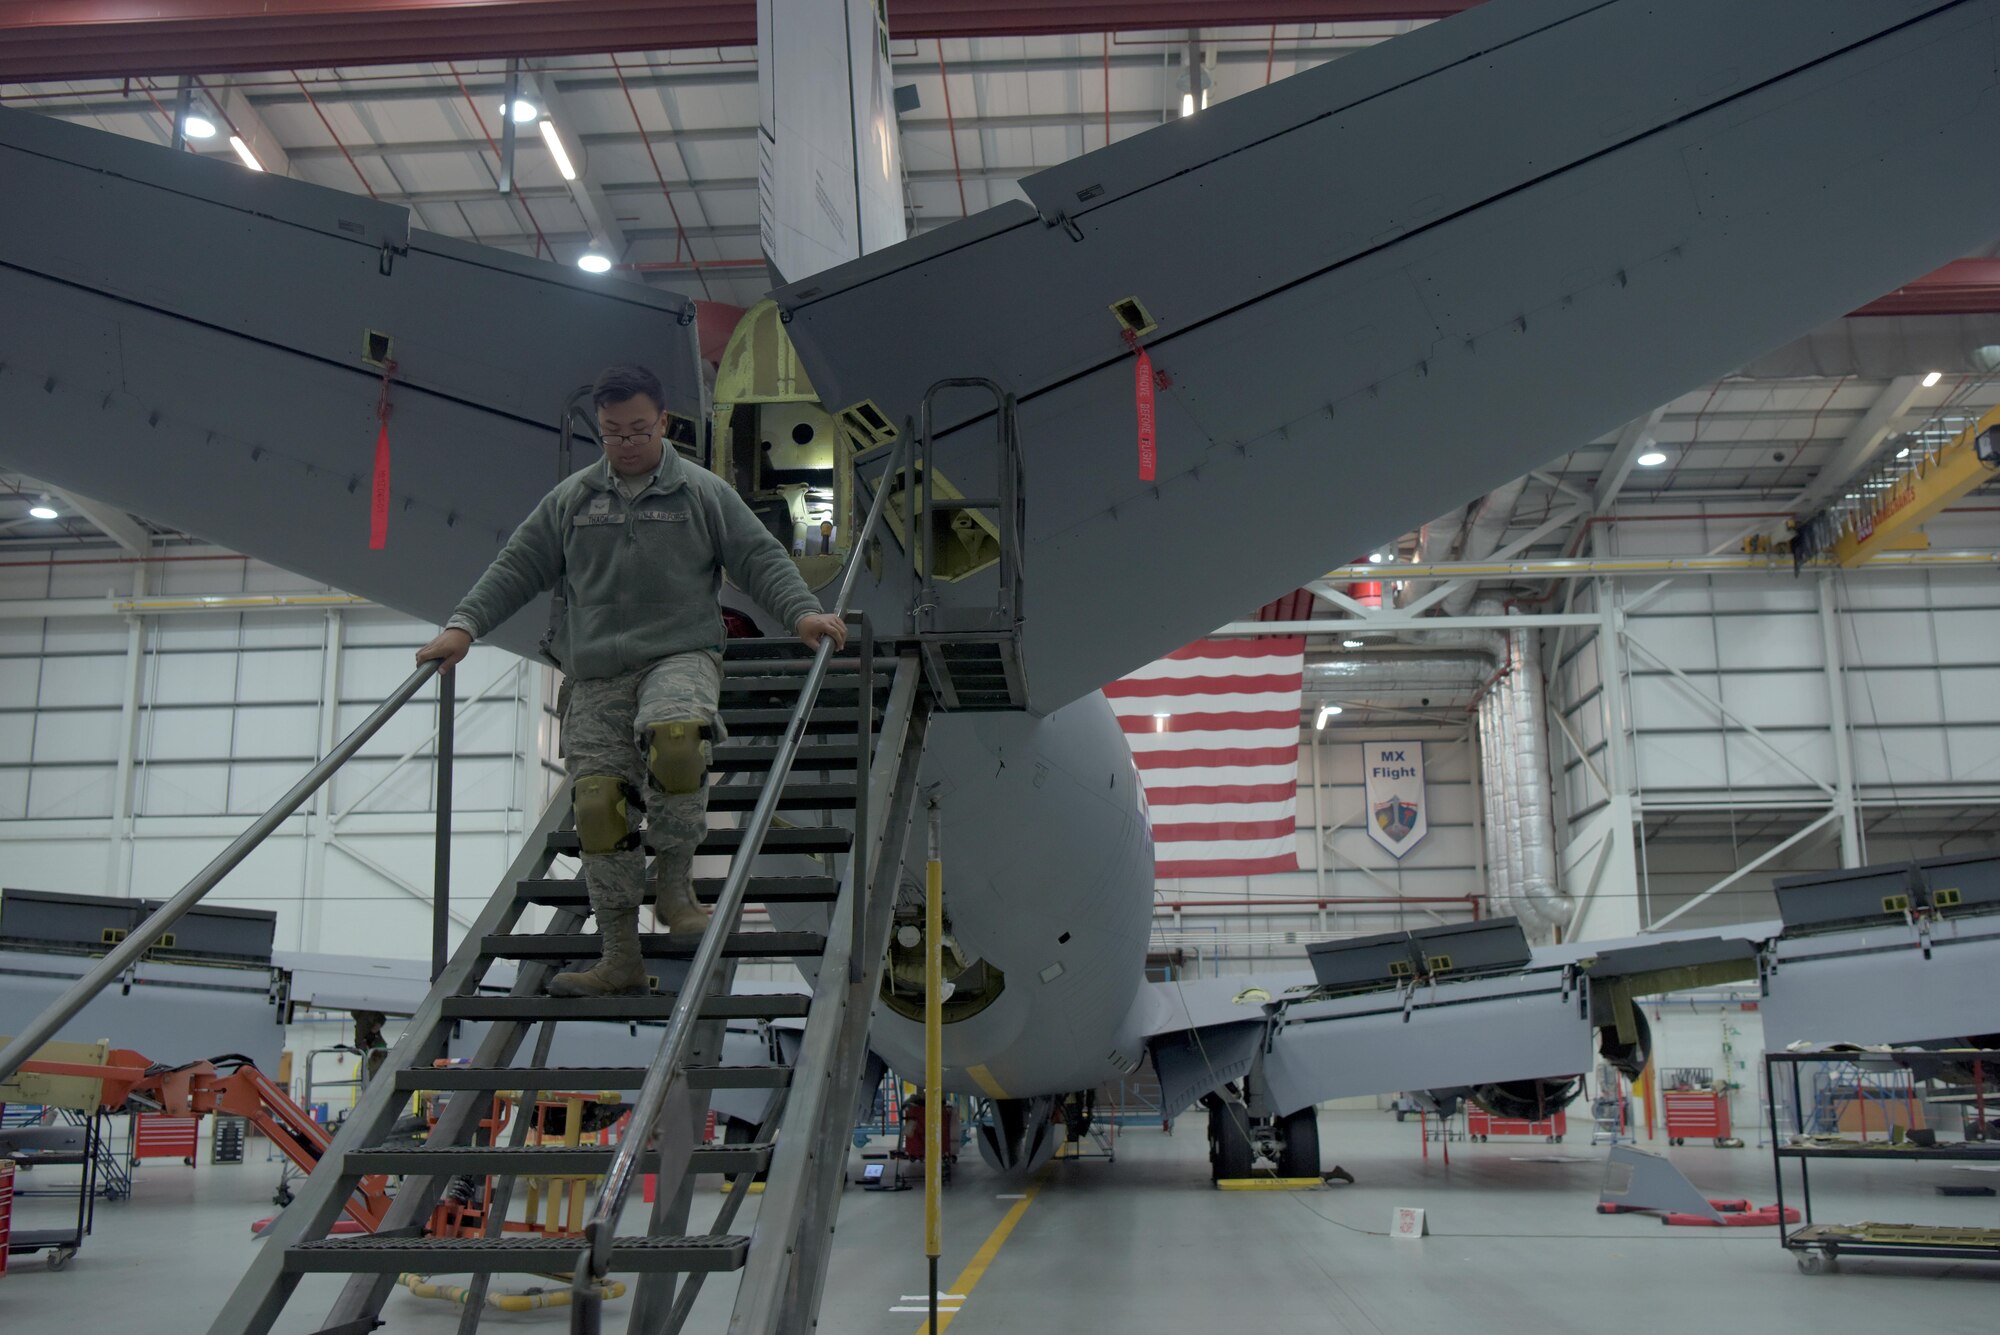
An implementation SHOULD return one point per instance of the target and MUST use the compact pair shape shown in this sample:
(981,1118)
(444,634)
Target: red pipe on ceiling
(83,39)
(1963,287)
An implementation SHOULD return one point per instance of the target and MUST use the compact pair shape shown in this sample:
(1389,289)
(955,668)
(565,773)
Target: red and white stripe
(1221,769)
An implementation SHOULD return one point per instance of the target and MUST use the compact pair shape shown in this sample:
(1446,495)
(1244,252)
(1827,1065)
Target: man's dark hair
(615,384)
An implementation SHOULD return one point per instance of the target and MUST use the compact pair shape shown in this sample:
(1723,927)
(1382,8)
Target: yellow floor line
(976,1267)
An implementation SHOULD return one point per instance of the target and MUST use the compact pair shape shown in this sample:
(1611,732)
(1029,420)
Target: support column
(312,908)
(1851,851)
(118,855)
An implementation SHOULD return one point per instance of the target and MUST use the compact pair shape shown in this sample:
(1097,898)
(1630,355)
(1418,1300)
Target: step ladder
(830,741)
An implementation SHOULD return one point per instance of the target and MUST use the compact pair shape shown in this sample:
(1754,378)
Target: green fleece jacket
(641,577)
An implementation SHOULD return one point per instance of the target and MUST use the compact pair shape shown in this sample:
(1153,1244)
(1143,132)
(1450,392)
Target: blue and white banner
(1393,784)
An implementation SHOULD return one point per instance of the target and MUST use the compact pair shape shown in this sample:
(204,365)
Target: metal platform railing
(129,951)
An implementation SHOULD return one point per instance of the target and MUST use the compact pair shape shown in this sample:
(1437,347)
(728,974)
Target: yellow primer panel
(987,1084)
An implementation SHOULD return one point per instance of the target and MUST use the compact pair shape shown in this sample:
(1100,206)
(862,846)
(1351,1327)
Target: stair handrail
(137,942)
(595,1259)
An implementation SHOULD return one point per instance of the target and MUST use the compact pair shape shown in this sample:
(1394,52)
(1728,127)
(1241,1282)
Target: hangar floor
(1144,1245)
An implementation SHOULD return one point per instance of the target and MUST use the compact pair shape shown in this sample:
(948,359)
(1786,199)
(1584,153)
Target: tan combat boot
(675,907)
(619,970)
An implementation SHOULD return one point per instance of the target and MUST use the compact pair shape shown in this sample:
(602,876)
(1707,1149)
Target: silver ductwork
(1436,541)
(1529,781)
(1492,807)
(1881,347)
(1482,537)
(1516,797)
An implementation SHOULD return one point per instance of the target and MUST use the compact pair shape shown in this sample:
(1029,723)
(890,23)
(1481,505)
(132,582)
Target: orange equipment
(201,1088)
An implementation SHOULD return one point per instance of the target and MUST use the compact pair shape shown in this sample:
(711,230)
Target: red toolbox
(1480,1124)
(1699,1113)
(160,1136)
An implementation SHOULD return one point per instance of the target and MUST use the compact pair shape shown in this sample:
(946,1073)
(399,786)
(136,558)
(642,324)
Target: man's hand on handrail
(816,626)
(451,647)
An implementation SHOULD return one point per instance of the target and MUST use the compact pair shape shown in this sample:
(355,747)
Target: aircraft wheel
(1300,1131)
(1231,1152)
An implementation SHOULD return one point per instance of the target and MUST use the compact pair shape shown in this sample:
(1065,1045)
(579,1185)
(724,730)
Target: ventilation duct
(1880,348)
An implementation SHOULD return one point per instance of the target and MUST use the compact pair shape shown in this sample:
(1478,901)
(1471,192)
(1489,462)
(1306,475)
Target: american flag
(1214,730)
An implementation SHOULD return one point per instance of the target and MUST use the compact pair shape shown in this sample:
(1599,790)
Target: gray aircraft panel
(184,340)
(1881,986)
(1349,369)
(171,1013)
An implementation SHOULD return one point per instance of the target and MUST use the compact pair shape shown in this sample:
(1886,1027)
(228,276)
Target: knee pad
(603,807)
(677,755)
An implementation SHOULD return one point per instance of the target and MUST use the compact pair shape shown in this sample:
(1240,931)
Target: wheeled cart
(1483,1125)
(1799,1135)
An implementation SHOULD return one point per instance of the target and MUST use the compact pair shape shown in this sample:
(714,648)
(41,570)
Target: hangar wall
(134,744)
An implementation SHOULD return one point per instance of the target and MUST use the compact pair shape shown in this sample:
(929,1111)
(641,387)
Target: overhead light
(1933,378)
(1375,558)
(1325,712)
(525,112)
(556,151)
(1651,459)
(1903,453)
(197,127)
(243,151)
(1350,644)
(41,509)
(592,262)
(1187,105)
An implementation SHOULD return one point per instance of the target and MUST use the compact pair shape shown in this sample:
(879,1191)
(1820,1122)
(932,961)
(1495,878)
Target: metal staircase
(831,755)
(839,744)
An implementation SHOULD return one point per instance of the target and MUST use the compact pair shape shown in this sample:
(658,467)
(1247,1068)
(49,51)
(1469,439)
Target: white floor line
(924,1308)
(925,1297)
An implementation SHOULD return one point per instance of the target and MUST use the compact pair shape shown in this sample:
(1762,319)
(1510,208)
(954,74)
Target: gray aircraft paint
(1496,274)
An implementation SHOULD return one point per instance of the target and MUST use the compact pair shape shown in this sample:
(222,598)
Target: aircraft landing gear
(1236,1141)
(1232,1146)
(1299,1153)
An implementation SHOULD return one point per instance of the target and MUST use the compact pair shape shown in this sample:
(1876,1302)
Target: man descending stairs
(829,742)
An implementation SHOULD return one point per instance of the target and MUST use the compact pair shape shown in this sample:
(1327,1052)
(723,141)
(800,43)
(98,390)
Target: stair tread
(824,719)
(750,1156)
(746,757)
(784,839)
(660,1006)
(761,890)
(592,1077)
(744,796)
(706,1252)
(652,945)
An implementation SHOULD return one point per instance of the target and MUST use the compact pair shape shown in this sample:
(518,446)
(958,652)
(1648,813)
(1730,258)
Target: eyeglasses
(634,438)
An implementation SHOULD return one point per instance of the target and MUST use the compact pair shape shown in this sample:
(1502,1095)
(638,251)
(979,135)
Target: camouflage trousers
(604,733)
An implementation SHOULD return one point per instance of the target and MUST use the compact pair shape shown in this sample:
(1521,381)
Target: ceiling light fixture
(1932,379)
(1375,558)
(1187,105)
(1903,453)
(197,126)
(592,262)
(1325,712)
(1651,459)
(525,112)
(243,152)
(1350,644)
(41,509)
(556,151)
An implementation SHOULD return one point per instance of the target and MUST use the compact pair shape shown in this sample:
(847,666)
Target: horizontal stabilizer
(1385,285)
(190,341)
